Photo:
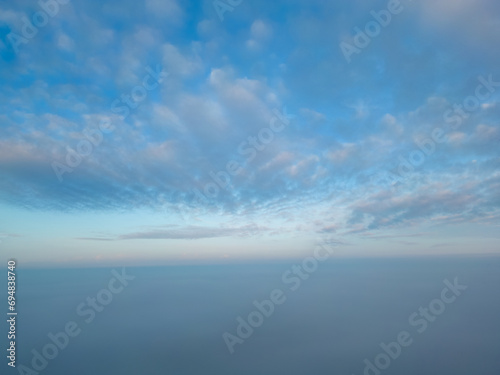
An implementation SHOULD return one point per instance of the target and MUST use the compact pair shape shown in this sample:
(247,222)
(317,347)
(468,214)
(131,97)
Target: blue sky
(391,151)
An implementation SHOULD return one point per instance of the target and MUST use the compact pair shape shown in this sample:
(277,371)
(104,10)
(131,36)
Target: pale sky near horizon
(385,148)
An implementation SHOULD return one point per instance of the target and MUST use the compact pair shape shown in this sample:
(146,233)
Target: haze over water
(170,320)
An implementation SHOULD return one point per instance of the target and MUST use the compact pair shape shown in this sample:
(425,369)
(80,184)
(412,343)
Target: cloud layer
(226,83)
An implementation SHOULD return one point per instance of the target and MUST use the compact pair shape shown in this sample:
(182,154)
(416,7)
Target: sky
(170,131)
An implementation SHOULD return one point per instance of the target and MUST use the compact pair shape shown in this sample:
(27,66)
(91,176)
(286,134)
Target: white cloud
(65,42)
(261,30)
(168,9)
(176,63)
